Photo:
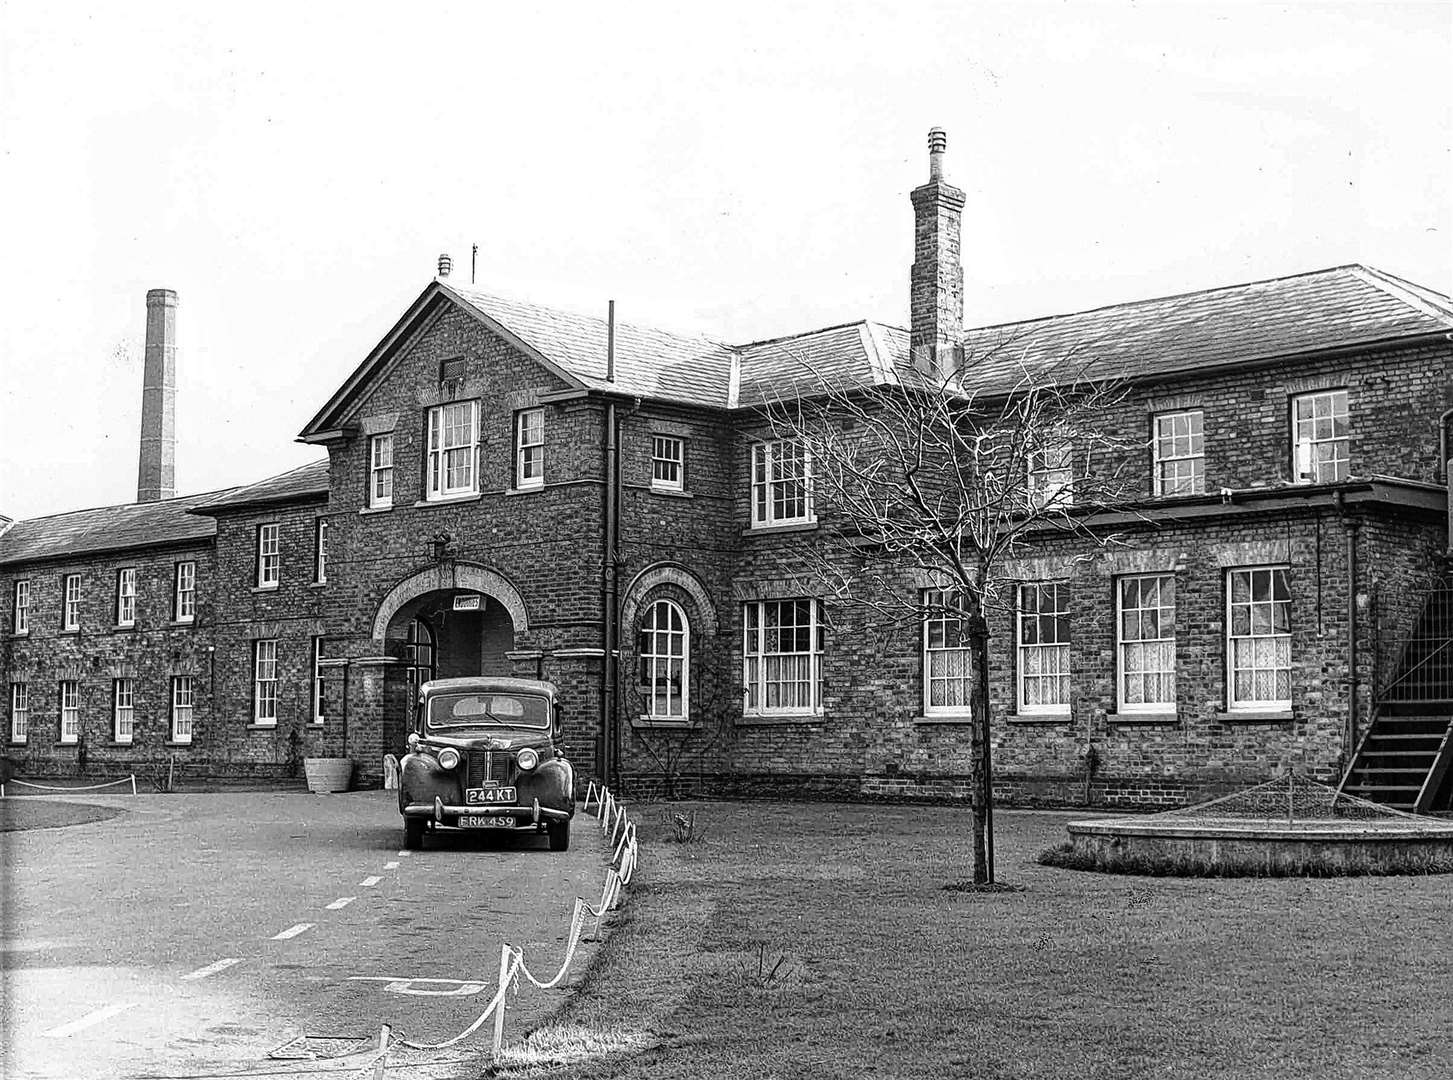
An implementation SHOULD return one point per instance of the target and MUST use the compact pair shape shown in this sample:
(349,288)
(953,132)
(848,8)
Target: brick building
(514,489)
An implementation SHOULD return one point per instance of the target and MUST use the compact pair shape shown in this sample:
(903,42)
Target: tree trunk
(979,779)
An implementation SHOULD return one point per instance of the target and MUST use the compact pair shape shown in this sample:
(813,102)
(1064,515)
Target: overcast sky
(293,170)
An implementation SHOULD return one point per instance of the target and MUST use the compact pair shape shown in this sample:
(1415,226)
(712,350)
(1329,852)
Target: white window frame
(317,695)
(184,594)
(381,471)
(658,684)
(1280,641)
(442,453)
(939,629)
(1034,654)
(668,463)
(70,711)
(1049,482)
(184,702)
(71,602)
(264,682)
(320,551)
(269,555)
(772,484)
(1317,430)
(123,710)
(19,712)
(1179,442)
(20,610)
(529,449)
(757,661)
(1134,649)
(126,596)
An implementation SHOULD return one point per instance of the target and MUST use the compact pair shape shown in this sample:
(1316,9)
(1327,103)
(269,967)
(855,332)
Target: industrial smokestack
(156,477)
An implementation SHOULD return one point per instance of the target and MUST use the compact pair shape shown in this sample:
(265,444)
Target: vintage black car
(483,754)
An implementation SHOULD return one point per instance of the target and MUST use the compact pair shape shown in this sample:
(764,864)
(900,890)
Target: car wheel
(413,833)
(560,836)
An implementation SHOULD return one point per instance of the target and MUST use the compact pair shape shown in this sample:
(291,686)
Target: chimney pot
(446,264)
(937,145)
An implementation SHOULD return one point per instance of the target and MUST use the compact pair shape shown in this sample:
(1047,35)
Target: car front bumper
(442,813)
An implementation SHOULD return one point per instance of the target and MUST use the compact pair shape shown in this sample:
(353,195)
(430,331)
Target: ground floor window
(782,657)
(1259,638)
(419,654)
(665,657)
(1044,647)
(123,711)
(182,703)
(70,698)
(19,712)
(947,681)
(317,680)
(264,681)
(1146,649)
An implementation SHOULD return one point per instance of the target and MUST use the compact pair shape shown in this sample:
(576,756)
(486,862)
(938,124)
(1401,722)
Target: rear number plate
(479,821)
(477,796)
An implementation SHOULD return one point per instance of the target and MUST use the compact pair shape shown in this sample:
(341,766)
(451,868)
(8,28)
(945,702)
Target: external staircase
(1404,759)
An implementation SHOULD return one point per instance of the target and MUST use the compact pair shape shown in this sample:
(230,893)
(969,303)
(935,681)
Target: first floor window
(21,624)
(182,704)
(1051,480)
(1259,638)
(19,712)
(185,607)
(317,680)
(126,597)
(782,654)
(71,602)
(70,692)
(781,483)
(320,551)
(665,655)
(381,471)
(1044,647)
(1320,437)
(269,556)
(530,448)
(453,446)
(264,681)
(1180,453)
(667,458)
(947,680)
(123,711)
(419,655)
(1147,643)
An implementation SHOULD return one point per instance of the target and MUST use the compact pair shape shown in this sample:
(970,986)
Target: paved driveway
(204,931)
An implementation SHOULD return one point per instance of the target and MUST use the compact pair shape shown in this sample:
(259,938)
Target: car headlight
(528,759)
(448,757)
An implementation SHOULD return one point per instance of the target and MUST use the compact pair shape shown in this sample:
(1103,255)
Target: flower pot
(327,774)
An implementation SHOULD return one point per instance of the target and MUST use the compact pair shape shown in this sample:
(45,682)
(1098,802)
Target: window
(123,712)
(1319,435)
(781,483)
(70,711)
(453,445)
(185,606)
(182,703)
(269,556)
(782,652)
(381,471)
(21,624)
(1180,454)
(668,457)
(126,597)
(19,712)
(419,652)
(1051,480)
(665,654)
(320,551)
(1147,643)
(264,681)
(317,680)
(1044,647)
(530,448)
(71,602)
(947,682)
(1259,638)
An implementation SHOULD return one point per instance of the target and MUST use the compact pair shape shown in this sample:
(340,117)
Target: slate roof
(107,528)
(306,482)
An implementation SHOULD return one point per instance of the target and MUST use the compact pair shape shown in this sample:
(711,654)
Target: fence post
(605,901)
(499,1011)
(133,785)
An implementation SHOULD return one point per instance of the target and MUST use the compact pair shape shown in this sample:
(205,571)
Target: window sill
(261,727)
(665,725)
(124,628)
(72,745)
(317,584)
(944,718)
(1039,718)
(1142,718)
(446,500)
(73,631)
(264,588)
(118,742)
(532,489)
(1255,716)
(178,624)
(768,530)
(18,742)
(21,634)
(376,509)
(671,492)
(171,742)
(768,719)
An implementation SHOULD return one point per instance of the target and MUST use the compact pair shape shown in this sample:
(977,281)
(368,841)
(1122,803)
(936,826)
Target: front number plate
(477,796)
(479,821)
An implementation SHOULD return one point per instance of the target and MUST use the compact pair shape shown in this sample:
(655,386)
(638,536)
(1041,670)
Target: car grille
(490,767)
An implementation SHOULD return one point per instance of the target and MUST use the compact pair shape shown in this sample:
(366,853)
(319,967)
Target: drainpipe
(608,567)
(1444,464)
(1350,527)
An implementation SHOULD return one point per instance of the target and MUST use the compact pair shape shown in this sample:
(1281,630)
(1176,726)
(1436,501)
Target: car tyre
(413,833)
(559,836)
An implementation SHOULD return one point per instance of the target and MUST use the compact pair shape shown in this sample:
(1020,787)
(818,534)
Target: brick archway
(451,576)
(674,574)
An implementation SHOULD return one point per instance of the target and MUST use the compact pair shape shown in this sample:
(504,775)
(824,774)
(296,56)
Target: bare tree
(925,479)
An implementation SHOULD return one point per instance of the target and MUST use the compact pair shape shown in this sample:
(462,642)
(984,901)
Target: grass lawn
(885,972)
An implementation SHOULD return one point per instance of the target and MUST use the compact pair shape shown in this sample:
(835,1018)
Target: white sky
(292,170)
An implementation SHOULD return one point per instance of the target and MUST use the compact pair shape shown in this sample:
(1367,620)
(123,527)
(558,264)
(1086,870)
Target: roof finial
(937,144)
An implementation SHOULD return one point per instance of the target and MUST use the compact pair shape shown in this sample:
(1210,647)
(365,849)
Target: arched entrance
(451,620)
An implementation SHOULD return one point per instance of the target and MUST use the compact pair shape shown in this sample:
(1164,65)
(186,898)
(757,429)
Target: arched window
(419,652)
(665,652)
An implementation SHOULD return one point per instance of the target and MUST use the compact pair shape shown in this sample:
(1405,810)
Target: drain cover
(315,1047)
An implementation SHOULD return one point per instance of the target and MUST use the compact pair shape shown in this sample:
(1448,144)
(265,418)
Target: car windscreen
(484,709)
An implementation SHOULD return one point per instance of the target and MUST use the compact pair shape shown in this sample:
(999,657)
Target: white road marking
(211,969)
(341,902)
(293,931)
(370,882)
(89,1020)
(391,865)
(423,987)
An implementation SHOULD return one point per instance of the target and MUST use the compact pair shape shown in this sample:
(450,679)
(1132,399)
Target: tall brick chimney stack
(936,283)
(156,477)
